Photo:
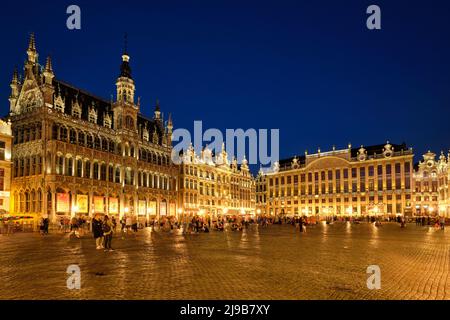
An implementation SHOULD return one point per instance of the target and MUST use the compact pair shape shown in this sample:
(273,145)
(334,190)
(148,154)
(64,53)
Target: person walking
(108,233)
(114,223)
(74,227)
(128,223)
(46,225)
(97,229)
(442,223)
(134,224)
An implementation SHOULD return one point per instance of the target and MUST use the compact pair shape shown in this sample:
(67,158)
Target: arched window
(59,164)
(87,170)
(111,173)
(95,172)
(103,172)
(97,143)
(63,134)
(105,144)
(55,130)
(73,136)
(22,202)
(89,141)
(27,202)
(117,175)
(69,167)
(33,201)
(81,139)
(39,201)
(79,168)
(112,147)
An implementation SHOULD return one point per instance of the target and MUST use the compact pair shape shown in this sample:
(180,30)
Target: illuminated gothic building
(211,185)
(354,181)
(77,154)
(431,185)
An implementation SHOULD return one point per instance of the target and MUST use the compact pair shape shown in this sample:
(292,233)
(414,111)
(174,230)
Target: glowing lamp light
(127,210)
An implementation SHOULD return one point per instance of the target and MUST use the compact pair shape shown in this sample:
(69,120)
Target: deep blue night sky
(310,68)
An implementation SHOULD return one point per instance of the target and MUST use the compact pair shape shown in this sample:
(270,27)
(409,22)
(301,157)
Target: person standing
(134,224)
(128,223)
(74,227)
(114,223)
(46,225)
(107,233)
(442,223)
(97,229)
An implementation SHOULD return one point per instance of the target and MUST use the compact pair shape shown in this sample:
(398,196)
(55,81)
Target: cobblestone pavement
(328,262)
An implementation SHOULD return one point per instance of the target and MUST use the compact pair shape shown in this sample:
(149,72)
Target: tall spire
(15,77)
(48,64)
(48,74)
(125,83)
(157,110)
(32,43)
(125,70)
(31,51)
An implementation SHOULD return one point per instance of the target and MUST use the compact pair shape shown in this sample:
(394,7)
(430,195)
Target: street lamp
(74,211)
(180,212)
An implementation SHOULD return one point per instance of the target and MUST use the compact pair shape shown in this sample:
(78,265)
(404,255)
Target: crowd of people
(103,227)
(436,222)
(8,227)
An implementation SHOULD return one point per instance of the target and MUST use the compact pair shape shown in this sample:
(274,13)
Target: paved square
(328,262)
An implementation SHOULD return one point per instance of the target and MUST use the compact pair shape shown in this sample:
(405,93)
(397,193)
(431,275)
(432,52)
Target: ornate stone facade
(431,186)
(74,153)
(361,181)
(211,185)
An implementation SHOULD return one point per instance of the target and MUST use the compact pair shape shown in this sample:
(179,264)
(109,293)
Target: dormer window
(155,138)
(76,110)
(145,134)
(59,103)
(107,121)
(92,115)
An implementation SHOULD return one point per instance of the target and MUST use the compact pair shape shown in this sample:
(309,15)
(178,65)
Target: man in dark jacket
(97,229)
